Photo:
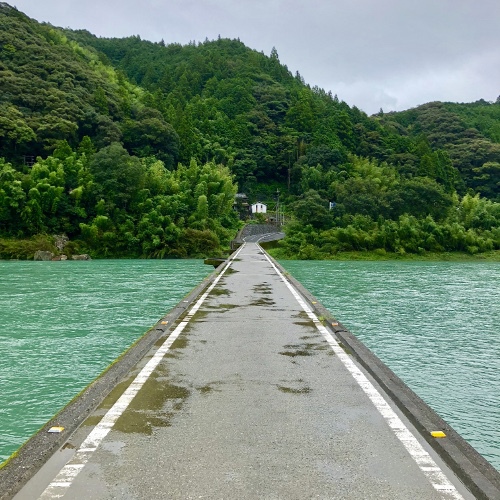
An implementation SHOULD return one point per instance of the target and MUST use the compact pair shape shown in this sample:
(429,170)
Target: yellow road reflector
(56,430)
(438,434)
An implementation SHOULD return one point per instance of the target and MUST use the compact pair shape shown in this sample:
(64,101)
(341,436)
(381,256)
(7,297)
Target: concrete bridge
(249,389)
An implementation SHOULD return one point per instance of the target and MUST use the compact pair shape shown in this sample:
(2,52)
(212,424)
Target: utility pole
(289,172)
(278,208)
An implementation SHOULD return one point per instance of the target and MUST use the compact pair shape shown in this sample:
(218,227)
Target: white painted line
(425,462)
(64,479)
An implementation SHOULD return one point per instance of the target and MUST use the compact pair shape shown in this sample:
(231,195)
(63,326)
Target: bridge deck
(253,399)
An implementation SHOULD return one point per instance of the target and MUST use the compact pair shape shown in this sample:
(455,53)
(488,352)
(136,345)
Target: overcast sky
(390,54)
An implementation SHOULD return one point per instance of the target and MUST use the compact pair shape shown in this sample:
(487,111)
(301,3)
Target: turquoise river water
(63,323)
(434,324)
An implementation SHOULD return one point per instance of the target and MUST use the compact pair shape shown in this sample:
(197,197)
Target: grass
(11,248)
(492,256)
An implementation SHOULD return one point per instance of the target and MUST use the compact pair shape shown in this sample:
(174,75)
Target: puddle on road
(226,307)
(219,308)
(180,342)
(298,352)
(210,387)
(114,395)
(262,302)
(302,315)
(219,291)
(93,420)
(309,337)
(197,317)
(309,323)
(306,349)
(292,390)
(297,386)
(263,288)
(161,341)
(154,406)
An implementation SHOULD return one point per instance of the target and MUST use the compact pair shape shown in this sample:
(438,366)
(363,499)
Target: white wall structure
(259,208)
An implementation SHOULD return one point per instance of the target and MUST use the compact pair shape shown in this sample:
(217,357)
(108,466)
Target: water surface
(435,324)
(63,323)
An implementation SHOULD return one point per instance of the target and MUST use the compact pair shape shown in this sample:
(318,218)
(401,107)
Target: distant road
(256,238)
(261,232)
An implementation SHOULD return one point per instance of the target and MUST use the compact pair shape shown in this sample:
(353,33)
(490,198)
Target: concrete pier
(252,394)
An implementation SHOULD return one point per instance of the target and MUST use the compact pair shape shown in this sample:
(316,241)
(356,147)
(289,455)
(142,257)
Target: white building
(259,208)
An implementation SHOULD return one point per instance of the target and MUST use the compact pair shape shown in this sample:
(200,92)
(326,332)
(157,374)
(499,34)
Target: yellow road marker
(56,430)
(438,434)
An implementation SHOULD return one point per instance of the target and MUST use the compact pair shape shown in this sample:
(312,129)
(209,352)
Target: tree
(486,179)
(12,199)
(118,175)
(147,134)
(311,209)
(421,197)
(15,133)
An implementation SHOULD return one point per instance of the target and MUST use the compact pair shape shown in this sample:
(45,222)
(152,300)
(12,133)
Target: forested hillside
(105,166)
(469,133)
(140,148)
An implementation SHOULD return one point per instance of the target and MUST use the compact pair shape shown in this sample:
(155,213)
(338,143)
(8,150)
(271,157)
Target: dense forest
(133,148)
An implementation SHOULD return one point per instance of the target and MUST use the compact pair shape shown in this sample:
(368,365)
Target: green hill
(54,89)
(469,133)
(141,146)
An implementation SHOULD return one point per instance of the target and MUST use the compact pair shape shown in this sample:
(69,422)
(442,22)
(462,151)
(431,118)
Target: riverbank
(382,255)
(18,249)
(60,246)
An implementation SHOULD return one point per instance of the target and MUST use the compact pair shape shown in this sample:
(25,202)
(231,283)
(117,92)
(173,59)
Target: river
(434,324)
(63,323)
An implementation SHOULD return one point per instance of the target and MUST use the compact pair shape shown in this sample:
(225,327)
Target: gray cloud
(393,54)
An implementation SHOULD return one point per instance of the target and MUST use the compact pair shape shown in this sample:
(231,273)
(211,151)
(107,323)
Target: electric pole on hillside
(278,224)
(280,218)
